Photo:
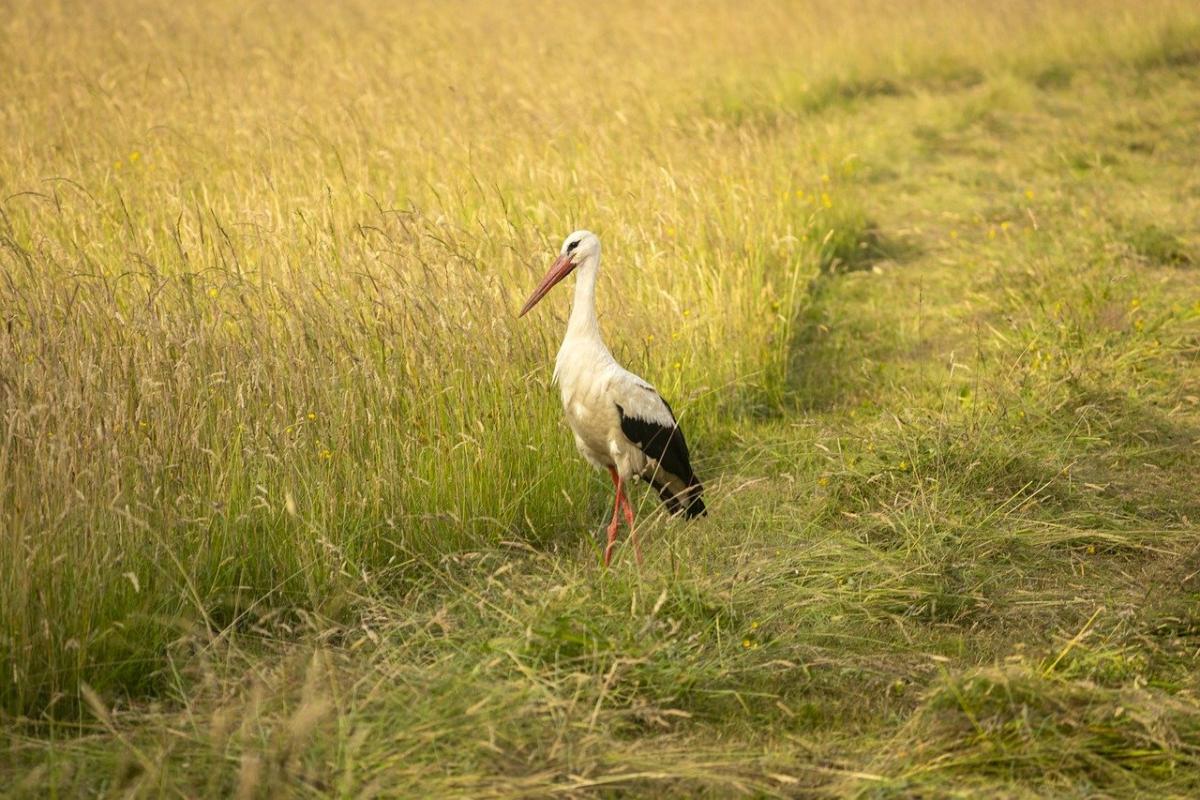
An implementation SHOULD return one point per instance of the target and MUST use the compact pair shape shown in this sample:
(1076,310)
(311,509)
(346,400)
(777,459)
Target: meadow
(287,505)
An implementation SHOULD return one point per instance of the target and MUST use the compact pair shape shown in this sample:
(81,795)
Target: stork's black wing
(673,476)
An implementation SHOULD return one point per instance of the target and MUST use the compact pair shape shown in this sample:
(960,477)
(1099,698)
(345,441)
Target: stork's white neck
(583,323)
(583,353)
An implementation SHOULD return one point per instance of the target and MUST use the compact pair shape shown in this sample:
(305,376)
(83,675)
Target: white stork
(620,422)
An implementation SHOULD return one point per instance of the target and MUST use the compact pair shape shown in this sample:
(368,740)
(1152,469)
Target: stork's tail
(684,502)
(693,505)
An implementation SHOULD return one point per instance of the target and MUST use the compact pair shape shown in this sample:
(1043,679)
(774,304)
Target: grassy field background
(287,506)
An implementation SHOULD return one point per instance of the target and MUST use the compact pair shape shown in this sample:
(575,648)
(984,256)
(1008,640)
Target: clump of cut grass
(1018,721)
(1159,246)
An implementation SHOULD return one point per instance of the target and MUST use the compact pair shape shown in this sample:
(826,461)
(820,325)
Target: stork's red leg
(621,504)
(637,547)
(616,519)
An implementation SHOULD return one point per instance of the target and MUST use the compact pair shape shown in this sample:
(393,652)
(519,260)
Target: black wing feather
(666,445)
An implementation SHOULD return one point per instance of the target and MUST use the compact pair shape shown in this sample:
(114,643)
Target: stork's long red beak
(560,269)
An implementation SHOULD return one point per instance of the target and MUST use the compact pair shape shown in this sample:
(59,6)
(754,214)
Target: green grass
(287,506)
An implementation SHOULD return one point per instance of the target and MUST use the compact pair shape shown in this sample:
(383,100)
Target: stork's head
(577,248)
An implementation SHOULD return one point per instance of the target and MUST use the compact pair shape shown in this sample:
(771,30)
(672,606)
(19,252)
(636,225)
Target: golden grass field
(287,506)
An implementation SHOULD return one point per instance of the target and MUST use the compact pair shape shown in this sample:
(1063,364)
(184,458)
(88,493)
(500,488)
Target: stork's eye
(571,247)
